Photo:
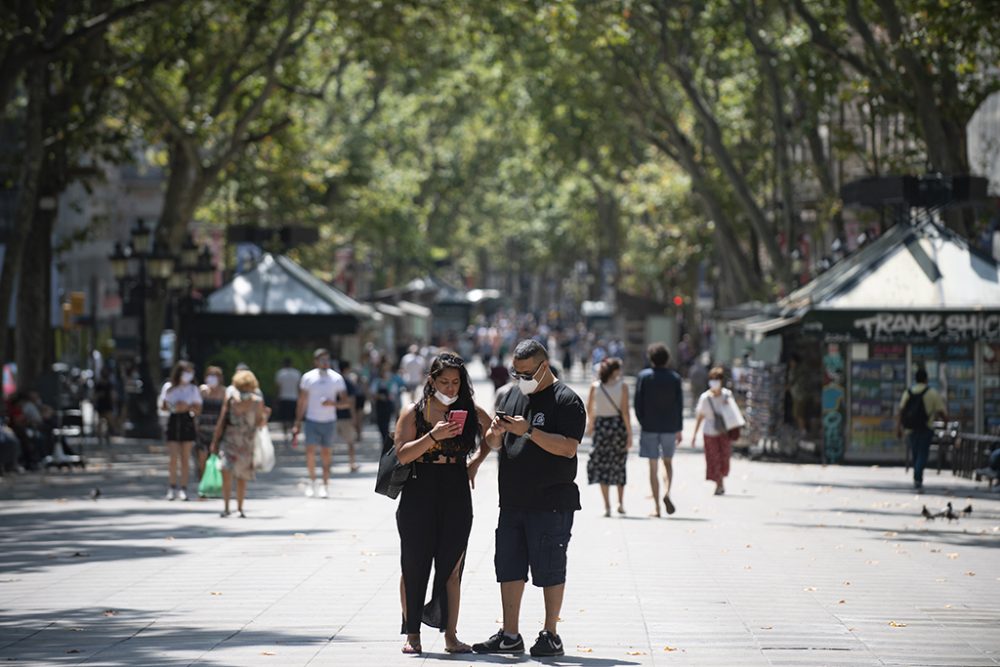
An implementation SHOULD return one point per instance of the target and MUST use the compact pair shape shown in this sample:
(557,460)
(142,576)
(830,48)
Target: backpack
(914,413)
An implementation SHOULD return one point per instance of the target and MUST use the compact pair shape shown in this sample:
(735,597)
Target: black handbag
(392,475)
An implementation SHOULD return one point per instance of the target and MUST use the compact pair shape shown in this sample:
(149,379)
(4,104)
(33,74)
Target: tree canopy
(556,144)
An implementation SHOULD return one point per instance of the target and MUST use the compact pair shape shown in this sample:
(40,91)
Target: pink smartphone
(459,417)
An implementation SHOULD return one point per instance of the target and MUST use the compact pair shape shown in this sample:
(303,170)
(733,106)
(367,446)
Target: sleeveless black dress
(434,519)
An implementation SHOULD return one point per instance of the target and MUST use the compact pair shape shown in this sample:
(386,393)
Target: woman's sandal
(412,648)
(460,647)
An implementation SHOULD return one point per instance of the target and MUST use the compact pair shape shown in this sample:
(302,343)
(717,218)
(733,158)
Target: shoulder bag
(613,404)
(392,475)
(720,423)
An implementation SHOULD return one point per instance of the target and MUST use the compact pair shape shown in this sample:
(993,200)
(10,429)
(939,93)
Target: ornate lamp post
(193,277)
(143,271)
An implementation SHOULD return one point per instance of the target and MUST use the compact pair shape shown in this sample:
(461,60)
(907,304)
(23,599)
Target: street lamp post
(192,279)
(143,270)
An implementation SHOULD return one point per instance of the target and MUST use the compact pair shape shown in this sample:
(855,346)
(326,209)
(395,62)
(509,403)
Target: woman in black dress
(435,511)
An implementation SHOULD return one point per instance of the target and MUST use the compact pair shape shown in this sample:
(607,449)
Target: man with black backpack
(918,408)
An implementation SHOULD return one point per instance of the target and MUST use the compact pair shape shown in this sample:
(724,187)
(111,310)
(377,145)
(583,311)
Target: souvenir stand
(918,296)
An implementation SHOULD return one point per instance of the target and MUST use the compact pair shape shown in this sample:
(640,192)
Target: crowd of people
(423,406)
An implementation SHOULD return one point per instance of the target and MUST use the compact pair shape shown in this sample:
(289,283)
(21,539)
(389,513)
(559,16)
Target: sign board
(904,326)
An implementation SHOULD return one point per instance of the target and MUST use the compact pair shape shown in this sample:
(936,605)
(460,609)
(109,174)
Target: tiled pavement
(796,565)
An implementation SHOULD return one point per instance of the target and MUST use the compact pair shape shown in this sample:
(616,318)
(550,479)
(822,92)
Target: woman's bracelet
(431,436)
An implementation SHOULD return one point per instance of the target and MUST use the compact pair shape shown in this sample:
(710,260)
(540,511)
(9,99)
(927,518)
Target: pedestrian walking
(385,389)
(321,392)
(413,366)
(919,406)
(346,429)
(439,433)
(710,410)
(181,398)
(659,409)
(609,423)
(105,404)
(242,414)
(286,382)
(537,430)
(213,393)
(360,400)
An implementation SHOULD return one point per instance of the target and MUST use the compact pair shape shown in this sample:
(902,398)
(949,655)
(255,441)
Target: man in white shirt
(321,392)
(287,382)
(414,368)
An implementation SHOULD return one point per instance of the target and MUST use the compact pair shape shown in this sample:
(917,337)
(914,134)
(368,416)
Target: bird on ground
(926,513)
(968,510)
(95,493)
(950,513)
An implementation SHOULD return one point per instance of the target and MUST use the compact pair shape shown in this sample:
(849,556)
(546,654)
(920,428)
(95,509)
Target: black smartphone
(503,415)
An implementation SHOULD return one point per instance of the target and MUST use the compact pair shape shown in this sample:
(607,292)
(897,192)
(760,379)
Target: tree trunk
(821,167)
(682,151)
(779,125)
(27,195)
(713,140)
(185,187)
(34,307)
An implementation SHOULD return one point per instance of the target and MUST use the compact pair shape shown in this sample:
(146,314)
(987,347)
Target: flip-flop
(460,648)
(412,649)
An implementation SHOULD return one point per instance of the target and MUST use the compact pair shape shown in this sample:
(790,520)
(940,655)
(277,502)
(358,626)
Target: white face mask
(444,398)
(527,386)
(714,384)
(186,377)
(212,381)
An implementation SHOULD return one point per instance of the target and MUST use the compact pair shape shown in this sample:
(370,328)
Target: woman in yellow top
(435,511)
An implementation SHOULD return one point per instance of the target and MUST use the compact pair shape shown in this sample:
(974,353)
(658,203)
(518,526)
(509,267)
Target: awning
(757,327)
(389,309)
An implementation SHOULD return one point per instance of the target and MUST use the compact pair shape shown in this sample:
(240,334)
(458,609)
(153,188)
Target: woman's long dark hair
(180,367)
(441,363)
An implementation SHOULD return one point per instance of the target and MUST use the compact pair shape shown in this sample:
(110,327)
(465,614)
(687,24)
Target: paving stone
(796,565)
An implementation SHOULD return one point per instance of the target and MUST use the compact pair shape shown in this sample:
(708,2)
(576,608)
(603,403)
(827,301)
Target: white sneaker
(323,493)
(310,490)
(182,493)
(171,494)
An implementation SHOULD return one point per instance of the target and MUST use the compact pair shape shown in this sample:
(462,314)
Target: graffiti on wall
(833,402)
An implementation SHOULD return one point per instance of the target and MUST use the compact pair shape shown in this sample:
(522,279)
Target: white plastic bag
(263,450)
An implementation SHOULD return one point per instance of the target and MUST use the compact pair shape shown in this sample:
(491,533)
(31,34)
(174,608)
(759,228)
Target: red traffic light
(678,301)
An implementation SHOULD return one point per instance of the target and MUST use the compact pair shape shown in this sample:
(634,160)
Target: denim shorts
(535,539)
(657,445)
(319,433)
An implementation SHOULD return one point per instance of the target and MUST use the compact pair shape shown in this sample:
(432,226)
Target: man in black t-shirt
(537,430)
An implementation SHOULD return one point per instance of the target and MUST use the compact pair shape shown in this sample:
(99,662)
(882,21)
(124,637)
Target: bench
(972,455)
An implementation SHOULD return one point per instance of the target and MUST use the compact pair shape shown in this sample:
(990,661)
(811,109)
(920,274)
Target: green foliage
(512,136)
(264,360)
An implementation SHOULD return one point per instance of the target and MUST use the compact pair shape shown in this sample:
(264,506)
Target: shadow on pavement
(495,659)
(932,488)
(127,637)
(904,535)
(36,541)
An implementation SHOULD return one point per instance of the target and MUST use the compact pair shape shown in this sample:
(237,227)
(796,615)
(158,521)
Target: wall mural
(834,403)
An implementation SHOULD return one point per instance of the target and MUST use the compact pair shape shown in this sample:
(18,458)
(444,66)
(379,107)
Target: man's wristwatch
(531,429)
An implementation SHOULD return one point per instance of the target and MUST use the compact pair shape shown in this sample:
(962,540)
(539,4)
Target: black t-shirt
(352,390)
(530,477)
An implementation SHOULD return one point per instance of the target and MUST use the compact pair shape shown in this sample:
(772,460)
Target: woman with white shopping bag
(242,415)
(722,418)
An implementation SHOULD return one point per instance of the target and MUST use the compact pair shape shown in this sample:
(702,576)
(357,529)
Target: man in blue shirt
(659,408)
